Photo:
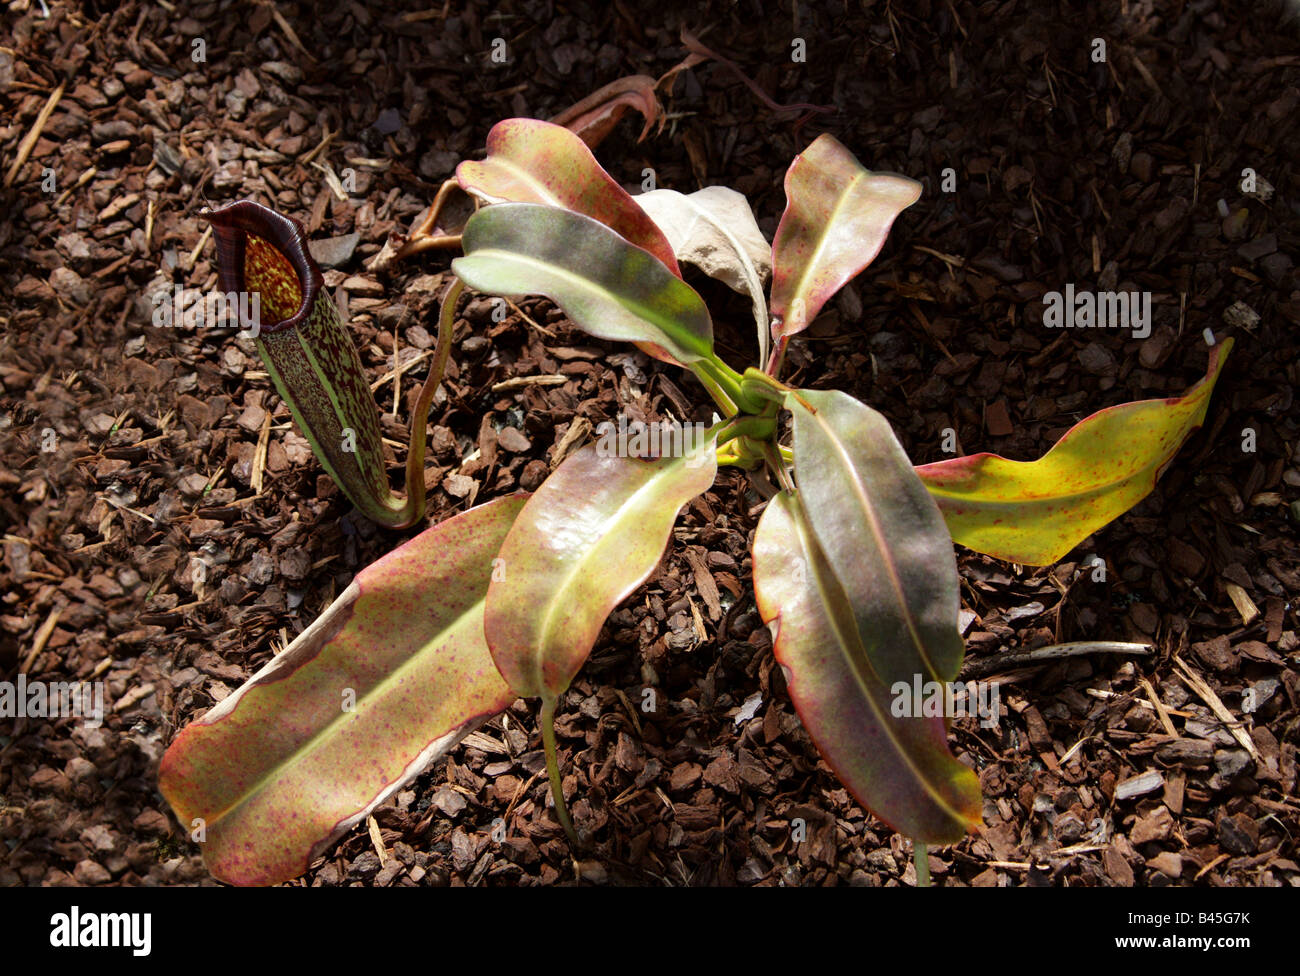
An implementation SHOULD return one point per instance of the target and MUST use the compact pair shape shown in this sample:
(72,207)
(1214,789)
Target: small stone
(534,473)
(449,801)
(882,860)
(388,122)
(513,440)
(1231,763)
(457,485)
(1234,225)
(1122,153)
(193,485)
(150,821)
(1276,267)
(1260,247)
(1068,828)
(1117,867)
(361,287)
(251,419)
(997,419)
(365,866)
(102,132)
(70,286)
(1096,359)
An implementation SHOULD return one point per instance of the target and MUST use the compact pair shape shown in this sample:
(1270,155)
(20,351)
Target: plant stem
(921,857)
(719,395)
(715,373)
(777,359)
(547,720)
(413,508)
(777,463)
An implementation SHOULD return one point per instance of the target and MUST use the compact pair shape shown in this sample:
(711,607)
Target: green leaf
(1034,512)
(898,767)
(836,218)
(530,161)
(715,230)
(882,534)
(608,287)
(280,769)
(592,534)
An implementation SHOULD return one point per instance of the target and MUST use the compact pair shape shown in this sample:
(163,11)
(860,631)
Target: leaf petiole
(921,858)
(547,721)
(713,372)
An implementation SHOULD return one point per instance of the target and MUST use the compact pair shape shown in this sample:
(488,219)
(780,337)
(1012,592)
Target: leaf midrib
(319,738)
(886,553)
(641,311)
(859,666)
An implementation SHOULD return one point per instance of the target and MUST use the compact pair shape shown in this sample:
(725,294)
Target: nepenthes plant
(854,567)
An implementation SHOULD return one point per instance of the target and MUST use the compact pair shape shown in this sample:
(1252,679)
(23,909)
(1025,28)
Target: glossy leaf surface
(881,533)
(607,286)
(393,674)
(530,161)
(1034,512)
(898,767)
(592,533)
(836,219)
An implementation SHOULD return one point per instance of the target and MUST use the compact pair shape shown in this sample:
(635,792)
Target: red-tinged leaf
(607,286)
(280,769)
(592,534)
(898,767)
(881,533)
(530,161)
(1034,512)
(836,218)
(595,116)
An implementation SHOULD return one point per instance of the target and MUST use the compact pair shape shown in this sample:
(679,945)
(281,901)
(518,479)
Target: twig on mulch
(1207,695)
(1042,655)
(29,140)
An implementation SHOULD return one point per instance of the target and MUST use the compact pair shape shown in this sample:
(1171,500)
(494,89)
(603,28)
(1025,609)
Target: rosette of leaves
(853,562)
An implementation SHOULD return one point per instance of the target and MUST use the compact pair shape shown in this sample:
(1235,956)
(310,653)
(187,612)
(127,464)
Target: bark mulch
(166,529)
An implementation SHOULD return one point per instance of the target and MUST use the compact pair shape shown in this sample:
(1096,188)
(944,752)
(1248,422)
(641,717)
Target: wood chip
(1206,693)
(1241,600)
